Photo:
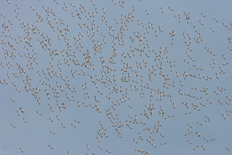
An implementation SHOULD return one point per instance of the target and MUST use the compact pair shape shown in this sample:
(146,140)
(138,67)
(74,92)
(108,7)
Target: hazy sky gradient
(142,81)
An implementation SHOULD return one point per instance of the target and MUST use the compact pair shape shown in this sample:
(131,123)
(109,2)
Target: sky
(115,77)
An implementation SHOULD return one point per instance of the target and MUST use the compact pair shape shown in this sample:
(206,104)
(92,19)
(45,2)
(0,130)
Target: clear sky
(115,77)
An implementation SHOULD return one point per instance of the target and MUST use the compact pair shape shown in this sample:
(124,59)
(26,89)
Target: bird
(170,8)
(87,147)
(13,125)
(21,150)
(195,147)
(24,119)
(203,14)
(50,146)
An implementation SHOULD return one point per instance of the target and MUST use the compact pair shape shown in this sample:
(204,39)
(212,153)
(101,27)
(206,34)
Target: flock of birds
(114,78)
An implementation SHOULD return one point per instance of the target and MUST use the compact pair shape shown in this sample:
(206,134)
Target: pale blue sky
(95,94)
